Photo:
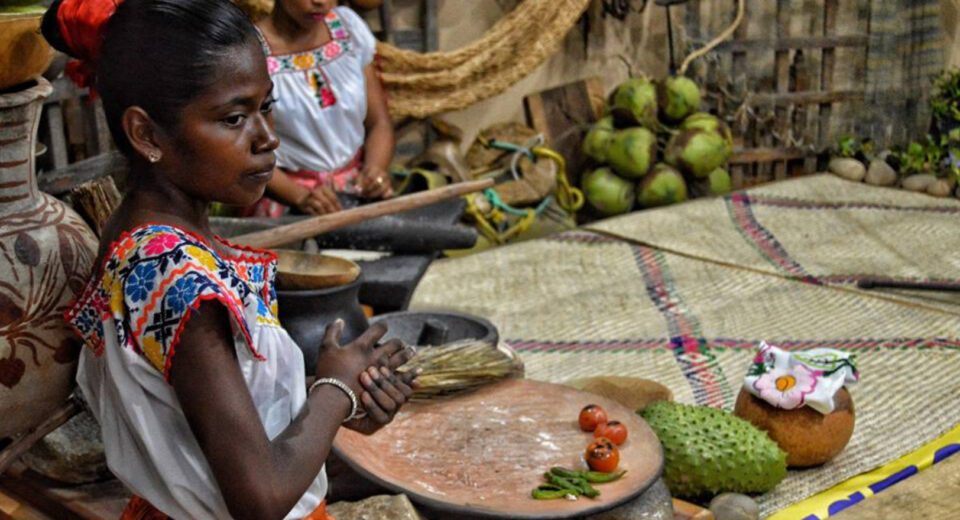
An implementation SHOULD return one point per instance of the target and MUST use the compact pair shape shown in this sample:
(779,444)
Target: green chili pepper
(549,494)
(566,473)
(599,477)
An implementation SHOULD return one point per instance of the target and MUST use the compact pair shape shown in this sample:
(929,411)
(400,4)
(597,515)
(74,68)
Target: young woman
(199,392)
(336,135)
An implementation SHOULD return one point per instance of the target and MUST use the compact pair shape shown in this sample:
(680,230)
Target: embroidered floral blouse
(130,316)
(322,96)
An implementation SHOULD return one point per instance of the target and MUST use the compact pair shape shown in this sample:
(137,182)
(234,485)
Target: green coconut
(632,152)
(634,103)
(598,139)
(607,192)
(718,182)
(663,186)
(709,122)
(678,97)
(698,152)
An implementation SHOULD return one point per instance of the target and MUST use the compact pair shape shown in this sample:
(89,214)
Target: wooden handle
(317,225)
(870,283)
(20,446)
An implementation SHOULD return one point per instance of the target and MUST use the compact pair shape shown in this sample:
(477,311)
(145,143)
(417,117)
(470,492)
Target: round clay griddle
(481,454)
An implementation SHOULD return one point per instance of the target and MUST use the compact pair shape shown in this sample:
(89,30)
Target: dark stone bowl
(436,328)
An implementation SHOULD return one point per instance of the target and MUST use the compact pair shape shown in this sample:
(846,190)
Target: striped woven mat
(683,295)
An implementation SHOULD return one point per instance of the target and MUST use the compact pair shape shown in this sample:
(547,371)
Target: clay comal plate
(481,454)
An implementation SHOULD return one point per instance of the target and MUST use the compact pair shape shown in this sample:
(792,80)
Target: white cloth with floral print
(130,316)
(322,96)
(789,380)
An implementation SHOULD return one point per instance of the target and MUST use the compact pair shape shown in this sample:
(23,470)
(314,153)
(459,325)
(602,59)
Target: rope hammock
(420,85)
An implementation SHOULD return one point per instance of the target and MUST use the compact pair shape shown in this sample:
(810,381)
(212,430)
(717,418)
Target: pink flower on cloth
(161,244)
(788,388)
(332,50)
(273,65)
(789,380)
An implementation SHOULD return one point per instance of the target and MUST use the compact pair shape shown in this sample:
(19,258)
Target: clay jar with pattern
(46,254)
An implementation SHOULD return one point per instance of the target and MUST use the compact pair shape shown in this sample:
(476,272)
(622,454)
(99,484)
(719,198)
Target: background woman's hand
(375,183)
(320,201)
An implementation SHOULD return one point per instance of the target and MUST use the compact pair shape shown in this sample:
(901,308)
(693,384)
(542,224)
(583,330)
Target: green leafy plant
(945,100)
(921,157)
(853,147)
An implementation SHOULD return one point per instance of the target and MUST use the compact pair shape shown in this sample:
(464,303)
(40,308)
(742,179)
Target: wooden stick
(317,225)
(58,418)
(913,286)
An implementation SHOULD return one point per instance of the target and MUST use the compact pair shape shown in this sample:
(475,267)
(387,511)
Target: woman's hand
(320,201)
(375,183)
(348,362)
(386,392)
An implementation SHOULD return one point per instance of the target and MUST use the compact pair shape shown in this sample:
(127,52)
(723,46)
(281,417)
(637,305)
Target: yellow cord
(568,197)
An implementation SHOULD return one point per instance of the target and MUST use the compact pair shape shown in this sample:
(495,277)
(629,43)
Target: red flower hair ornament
(81,25)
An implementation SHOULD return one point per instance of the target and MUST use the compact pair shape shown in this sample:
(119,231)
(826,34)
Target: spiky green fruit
(598,139)
(607,193)
(664,185)
(709,451)
(678,97)
(632,152)
(634,102)
(697,151)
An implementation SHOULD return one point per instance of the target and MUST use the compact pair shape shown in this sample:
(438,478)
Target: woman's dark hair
(158,55)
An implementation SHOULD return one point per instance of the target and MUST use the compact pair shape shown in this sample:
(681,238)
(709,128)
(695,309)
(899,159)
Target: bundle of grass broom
(461,366)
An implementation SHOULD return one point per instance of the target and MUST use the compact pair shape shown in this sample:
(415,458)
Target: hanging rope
(741,10)
(423,84)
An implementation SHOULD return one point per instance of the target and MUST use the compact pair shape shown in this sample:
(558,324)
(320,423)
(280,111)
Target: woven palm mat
(820,228)
(581,304)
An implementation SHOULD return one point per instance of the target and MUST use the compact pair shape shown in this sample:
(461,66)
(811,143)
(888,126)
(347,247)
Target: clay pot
(47,254)
(306,314)
(24,53)
(809,437)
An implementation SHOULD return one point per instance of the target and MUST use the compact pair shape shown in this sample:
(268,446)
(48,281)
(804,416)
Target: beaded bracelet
(354,403)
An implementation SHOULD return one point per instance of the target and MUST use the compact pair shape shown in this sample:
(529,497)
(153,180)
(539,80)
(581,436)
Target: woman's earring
(153,156)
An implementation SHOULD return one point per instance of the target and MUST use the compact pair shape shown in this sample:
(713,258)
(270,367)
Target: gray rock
(940,188)
(919,182)
(654,504)
(734,506)
(880,174)
(396,507)
(73,453)
(850,169)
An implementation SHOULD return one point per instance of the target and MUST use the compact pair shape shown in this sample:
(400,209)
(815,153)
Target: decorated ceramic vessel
(46,254)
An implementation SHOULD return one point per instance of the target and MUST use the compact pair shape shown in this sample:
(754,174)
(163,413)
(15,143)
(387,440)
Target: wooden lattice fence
(800,73)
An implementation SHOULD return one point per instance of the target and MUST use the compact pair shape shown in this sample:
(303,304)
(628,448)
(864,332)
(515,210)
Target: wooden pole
(20,446)
(317,225)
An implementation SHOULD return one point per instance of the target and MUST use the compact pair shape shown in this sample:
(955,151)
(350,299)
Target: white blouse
(130,316)
(322,96)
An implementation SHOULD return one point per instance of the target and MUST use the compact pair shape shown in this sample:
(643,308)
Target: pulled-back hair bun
(76,27)
(155,54)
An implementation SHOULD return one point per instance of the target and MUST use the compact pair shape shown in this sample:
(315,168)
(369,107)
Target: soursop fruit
(709,451)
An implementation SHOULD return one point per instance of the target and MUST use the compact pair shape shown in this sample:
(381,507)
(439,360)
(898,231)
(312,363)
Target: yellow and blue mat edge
(865,485)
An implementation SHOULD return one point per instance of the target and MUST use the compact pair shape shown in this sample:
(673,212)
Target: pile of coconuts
(653,147)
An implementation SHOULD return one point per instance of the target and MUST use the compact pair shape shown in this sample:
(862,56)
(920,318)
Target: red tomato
(591,416)
(613,430)
(602,455)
